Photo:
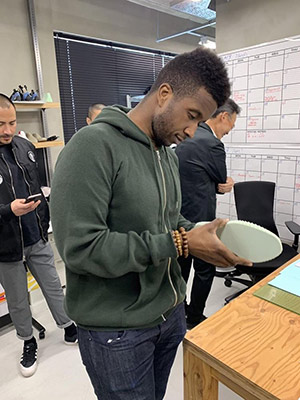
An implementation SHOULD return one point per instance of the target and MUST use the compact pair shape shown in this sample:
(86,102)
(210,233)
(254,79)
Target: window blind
(92,71)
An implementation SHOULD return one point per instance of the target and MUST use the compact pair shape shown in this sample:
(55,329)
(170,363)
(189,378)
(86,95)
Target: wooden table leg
(199,383)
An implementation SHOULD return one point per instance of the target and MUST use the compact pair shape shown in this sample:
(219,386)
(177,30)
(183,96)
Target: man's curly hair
(187,72)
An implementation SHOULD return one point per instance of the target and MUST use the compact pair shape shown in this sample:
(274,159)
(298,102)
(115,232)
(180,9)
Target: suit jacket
(202,166)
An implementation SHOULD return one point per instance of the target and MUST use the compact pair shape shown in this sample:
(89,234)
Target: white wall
(244,23)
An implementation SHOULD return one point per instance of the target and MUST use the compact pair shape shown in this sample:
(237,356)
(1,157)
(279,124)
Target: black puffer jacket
(11,241)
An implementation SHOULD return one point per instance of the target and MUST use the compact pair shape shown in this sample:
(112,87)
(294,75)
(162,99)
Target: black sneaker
(28,363)
(71,335)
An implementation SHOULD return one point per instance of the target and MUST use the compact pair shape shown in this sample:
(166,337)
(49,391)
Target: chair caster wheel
(42,335)
(228,283)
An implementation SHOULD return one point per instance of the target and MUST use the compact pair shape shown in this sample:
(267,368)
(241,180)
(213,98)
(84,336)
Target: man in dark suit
(203,174)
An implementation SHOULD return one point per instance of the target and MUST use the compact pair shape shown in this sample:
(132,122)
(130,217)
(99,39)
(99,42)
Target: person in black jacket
(203,173)
(23,237)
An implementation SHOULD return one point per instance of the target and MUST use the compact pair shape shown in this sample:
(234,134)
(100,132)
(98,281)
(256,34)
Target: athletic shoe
(71,335)
(31,137)
(39,138)
(28,363)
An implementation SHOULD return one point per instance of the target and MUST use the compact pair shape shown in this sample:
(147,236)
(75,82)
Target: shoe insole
(249,240)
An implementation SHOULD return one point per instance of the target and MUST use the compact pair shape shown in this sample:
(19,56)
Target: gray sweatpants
(40,261)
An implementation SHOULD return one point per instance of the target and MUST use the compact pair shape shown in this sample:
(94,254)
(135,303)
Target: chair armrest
(293,227)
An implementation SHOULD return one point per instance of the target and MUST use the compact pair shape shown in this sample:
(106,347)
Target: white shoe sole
(71,343)
(27,372)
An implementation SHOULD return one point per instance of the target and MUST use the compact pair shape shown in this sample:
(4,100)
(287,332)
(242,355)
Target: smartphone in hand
(33,197)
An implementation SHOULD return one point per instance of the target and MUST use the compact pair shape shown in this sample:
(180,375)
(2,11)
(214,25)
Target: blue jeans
(132,364)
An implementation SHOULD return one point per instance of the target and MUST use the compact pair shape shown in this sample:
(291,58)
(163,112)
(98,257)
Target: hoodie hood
(116,116)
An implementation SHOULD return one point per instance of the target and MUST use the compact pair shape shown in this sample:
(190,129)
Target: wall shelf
(29,105)
(43,155)
(44,145)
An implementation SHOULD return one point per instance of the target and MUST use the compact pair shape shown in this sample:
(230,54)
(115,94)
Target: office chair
(254,202)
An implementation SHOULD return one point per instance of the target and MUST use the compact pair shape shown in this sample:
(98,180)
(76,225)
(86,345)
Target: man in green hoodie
(115,205)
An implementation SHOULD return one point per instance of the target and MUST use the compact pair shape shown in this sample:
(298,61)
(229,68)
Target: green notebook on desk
(279,297)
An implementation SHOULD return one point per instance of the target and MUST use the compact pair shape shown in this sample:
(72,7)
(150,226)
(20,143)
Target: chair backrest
(254,202)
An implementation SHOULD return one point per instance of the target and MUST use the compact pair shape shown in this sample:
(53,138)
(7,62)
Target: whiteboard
(265,143)
(265,83)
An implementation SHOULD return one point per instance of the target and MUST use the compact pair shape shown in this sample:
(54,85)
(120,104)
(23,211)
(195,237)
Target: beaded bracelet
(181,242)
(185,242)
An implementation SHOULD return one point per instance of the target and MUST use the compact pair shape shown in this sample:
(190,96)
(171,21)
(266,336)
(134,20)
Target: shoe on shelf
(22,134)
(71,335)
(51,138)
(190,324)
(28,362)
(39,138)
(31,137)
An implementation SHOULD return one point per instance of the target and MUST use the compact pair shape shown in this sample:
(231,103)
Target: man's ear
(224,116)
(164,93)
(88,121)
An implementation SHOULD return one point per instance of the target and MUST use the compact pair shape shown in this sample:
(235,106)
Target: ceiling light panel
(198,8)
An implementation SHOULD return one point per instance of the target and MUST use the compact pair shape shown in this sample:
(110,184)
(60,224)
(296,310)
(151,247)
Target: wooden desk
(250,345)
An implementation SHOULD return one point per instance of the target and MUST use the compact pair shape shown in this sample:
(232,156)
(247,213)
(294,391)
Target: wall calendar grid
(258,164)
(266,84)
(265,142)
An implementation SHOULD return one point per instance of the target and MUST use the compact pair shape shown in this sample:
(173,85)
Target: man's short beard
(161,125)
(156,137)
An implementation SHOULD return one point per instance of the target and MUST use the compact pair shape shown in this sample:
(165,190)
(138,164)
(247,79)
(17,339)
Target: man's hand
(226,187)
(19,207)
(205,244)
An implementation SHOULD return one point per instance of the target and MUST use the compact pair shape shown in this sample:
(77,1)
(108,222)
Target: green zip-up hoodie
(114,202)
